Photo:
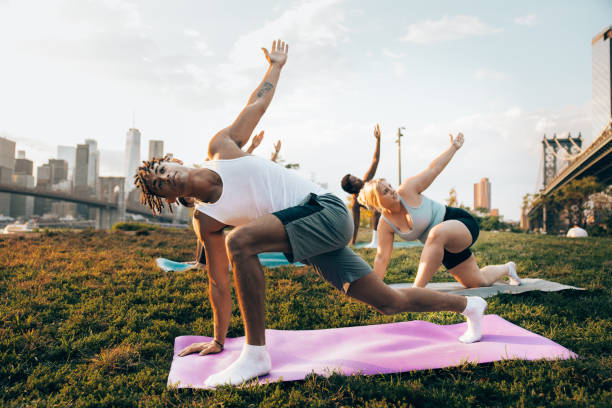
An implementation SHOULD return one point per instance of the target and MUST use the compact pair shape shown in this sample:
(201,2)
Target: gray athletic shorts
(319,230)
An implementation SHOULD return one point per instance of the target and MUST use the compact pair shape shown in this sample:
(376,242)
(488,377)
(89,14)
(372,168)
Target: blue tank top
(424,217)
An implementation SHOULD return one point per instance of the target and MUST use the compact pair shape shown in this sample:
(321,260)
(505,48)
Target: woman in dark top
(352,185)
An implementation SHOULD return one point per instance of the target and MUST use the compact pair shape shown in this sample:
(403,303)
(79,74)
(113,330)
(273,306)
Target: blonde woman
(447,232)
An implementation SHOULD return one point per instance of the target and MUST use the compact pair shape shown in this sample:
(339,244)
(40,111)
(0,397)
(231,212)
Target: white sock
(253,362)
(374,242)
(514,279)
(474,311)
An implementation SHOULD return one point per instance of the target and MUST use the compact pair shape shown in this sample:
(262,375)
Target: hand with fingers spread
(457,141)
(255,141)
(377,132)
(278,55)
(204,348)
(277,146)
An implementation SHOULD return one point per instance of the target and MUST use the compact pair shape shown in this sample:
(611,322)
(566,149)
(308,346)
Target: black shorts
(451,259)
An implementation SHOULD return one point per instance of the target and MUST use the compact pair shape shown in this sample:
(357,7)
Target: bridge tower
(557,153)
(111,189)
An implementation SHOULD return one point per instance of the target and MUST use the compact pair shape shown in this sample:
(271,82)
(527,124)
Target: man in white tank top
(273,210)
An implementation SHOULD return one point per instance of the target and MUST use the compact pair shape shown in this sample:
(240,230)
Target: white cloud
(484,73)
(204,49)
(307,26)
(446,29)
(528,20)
(393,55)
(190,32)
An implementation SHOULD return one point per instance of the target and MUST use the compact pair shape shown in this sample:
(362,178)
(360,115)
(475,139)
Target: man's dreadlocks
(148,197)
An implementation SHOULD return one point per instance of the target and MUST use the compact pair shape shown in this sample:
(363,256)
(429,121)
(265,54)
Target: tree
(452,201)
(574,197)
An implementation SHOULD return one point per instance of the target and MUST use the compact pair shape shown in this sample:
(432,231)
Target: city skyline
(504,77)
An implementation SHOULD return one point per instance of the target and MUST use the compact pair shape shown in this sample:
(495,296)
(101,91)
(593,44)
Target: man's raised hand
(278,55)
(377,131)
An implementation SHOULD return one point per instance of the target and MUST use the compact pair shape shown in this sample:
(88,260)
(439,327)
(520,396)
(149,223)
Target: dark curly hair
(148,197)
(348,186)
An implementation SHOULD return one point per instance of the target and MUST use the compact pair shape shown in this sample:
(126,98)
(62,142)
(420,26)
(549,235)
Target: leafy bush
(134,226)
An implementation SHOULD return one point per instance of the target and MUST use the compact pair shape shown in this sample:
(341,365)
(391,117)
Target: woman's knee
(436,236)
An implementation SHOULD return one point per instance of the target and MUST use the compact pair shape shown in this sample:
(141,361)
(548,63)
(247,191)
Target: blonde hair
(368,196)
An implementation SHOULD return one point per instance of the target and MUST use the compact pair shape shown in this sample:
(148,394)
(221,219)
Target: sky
(502,73)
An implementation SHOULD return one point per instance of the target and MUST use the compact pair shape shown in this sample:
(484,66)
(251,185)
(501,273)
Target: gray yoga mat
(527,285)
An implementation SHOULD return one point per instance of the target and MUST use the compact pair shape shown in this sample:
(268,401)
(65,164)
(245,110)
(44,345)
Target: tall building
(22,206)
(59,170)
(23,165)
(68,153)
(156,149)
(482,194)
(81,167)
(7,153)
(93,169)
(7,166)
(132,157)
(601,47)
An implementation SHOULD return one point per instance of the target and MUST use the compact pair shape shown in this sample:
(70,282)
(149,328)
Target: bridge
(107,212)
(595,160)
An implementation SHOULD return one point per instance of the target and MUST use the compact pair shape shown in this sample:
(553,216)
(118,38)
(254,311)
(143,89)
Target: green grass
(88,320)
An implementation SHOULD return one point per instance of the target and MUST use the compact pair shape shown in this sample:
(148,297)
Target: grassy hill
(88,320)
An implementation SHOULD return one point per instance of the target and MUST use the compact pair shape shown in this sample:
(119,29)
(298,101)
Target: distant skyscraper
(68,153)
(602,80)
(93,169)
(7,153)
(59,170)
(482,194)
(22,206)
(156,148)
(132,157)
(24,166)
(81,167)
(7,166)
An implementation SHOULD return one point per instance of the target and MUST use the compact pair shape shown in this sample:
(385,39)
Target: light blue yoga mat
(269,259)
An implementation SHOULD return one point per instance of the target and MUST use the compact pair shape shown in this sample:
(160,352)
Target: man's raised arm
(260,99)
(372,170)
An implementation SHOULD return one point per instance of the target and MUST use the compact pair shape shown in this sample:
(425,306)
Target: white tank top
(252,187)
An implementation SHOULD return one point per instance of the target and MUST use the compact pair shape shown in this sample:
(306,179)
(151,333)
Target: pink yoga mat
(378,349)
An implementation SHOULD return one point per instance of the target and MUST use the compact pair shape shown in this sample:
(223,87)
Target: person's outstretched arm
(385,246)
(372,170)
(421,181)
(356,217)
(211,233)
(239,131)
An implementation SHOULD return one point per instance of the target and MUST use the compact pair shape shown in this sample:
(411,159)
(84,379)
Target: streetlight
(399,153)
